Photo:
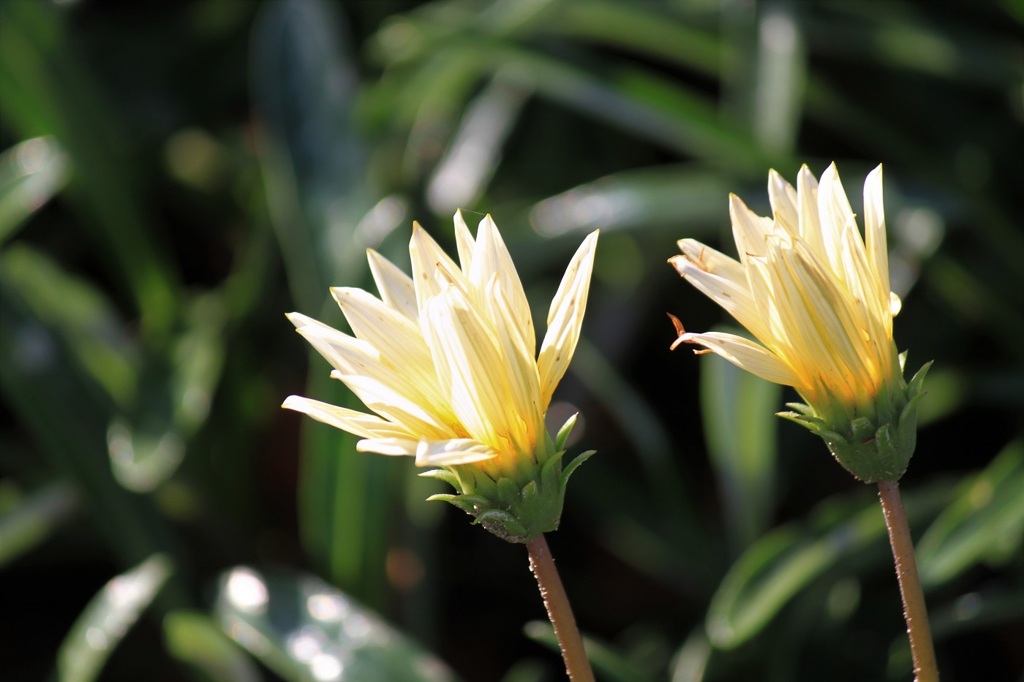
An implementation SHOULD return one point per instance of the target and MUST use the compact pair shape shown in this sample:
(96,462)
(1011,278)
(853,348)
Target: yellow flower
(815,296)
(446,361)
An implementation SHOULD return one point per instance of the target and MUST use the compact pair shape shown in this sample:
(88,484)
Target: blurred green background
(178,175)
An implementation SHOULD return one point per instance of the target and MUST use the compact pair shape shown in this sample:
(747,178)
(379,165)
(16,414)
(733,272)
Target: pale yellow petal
(394,406)
(491,257)
(432,269)
(396,337)
(346,354)
(469,365)
(746,355)
(875,239)
(721,279)
(810,220)
(565,319)
(713,261)
(354,422)
(836,214)
(395,287)
(783,199)
(388,446)
(519,365)
(464,242)
(748,229)
(300,321)
(452,452)
(397,341)
(815,313)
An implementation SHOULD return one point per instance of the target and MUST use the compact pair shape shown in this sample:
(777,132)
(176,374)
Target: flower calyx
(872,448)
(518,507)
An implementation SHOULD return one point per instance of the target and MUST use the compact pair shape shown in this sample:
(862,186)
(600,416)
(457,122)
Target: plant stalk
(914,610)
(559,611)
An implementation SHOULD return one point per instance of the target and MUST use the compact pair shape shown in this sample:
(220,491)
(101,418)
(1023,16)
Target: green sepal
(572,466)
(876,448)
(518,507)
(448,477)
(563,433)
(503,524)
(471,504)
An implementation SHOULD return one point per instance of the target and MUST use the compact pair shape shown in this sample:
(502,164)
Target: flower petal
(424,419)
(452,452)
(565,318)
(722,279)
(875,239)
(491,257)
(388,446)
(784,203)
(432,269)
(464,242)
(810,221)
(746,355)
(354,422)
(395,287)
(748,229)
(469,366)
(836,214)
(396,337)
(519,366)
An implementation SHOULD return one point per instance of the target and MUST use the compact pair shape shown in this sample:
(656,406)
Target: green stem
(914,610)
(559,611)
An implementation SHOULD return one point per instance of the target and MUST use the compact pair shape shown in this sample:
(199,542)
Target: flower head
(446,362)
(815,295)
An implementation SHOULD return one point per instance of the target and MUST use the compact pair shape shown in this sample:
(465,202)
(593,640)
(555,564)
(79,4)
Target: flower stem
(914,610)
(559,611)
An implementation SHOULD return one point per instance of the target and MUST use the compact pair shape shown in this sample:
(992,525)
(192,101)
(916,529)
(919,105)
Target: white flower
(808,287)
(446,360)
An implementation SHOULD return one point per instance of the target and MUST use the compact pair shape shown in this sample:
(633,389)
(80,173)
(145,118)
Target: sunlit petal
(356,423)
(452,452)
(445,360)
(565,318)
(807,286)
(744,354)
(395,287)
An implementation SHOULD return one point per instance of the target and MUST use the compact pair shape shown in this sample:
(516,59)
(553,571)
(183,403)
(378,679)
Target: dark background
(213,165)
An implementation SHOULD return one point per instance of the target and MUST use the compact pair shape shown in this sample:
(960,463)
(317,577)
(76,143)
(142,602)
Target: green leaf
(611,665)
(35,518)
(663,198)
(978,610)
(983,523)
(81,315)
(107,619)
(738,411)
(304,82)
(31,172)
(52,91)
(195,639)
(304,629)
(788,560)
(63,408)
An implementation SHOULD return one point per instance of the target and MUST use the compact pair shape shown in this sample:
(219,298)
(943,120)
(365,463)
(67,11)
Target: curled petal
(745,354)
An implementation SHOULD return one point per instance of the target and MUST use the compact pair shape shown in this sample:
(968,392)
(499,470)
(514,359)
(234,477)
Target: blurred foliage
(179,175)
